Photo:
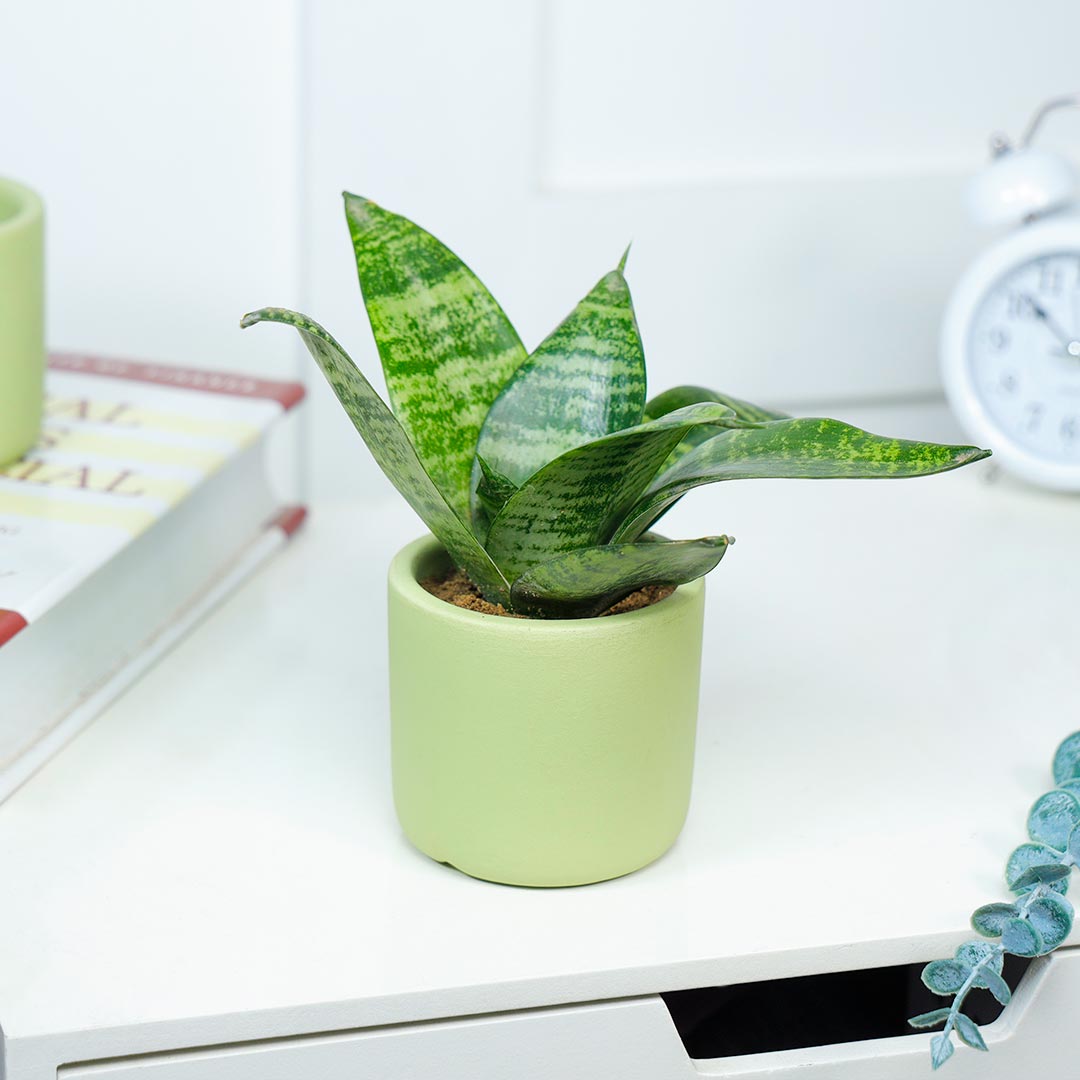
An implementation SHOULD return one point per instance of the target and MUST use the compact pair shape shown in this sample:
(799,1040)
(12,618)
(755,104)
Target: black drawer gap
(815,1010)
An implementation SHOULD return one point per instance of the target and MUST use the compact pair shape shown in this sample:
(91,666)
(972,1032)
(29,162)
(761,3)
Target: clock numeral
(1020,306)
(1050,278)
(997,338)
(1008,383)
(1070,429)
(1034,416)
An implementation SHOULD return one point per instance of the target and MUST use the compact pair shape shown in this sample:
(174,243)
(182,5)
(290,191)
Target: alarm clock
(1010,344)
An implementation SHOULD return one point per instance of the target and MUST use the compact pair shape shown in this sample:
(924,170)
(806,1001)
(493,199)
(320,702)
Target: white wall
(789,172)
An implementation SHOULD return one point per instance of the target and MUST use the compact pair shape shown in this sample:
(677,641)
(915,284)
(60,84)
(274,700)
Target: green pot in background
(22,319)
(540,752)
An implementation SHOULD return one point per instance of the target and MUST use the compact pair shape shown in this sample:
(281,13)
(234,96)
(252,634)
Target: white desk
(888,668)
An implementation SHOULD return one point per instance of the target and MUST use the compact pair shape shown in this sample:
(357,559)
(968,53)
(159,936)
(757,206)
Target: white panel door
(790,173)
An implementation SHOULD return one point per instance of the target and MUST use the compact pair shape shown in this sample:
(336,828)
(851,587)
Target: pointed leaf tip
(941,1049)
(622,261)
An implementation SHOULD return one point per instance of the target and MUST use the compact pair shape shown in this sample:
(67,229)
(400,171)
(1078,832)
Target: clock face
(1023,352)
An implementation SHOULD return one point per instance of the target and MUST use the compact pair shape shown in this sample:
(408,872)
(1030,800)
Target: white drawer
(631,1040)
(623,1040)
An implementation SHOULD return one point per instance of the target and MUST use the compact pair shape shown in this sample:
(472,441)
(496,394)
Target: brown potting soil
(456,588)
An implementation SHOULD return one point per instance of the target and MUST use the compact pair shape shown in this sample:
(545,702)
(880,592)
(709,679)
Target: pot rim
(28,205)
(403,581)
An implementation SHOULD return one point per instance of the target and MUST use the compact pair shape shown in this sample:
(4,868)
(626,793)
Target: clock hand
(1068,343)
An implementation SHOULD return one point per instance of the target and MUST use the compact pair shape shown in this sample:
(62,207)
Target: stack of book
(144,503)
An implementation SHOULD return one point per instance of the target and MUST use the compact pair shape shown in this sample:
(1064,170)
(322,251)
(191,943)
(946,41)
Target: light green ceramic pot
(22,319)
(540,752)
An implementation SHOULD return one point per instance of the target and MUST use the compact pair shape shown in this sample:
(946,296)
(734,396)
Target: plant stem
(964,990)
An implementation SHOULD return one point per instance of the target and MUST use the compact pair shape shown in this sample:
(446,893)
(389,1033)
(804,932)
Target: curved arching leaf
(678,397)
(1053,818)
(1027,856)
(447,348)
(584,381)
(588,581)
(390,446)
(803,448)
(1067,759)
(579,499)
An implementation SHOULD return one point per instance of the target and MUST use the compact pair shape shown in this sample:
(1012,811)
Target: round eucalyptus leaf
(972,954)
(1074,844)
(944,977)
(1052,917)
(969,1031)
(1067,759)
(1042,874)
(1072,786)
(990,919)
(1027,856)
(1021,938)
(1053,817)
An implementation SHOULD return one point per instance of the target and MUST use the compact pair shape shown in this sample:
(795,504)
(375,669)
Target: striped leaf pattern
(546,471)
(391,448)
(678,397)
(806,448)
(492,494)
(585,380)
(579,499)
(588,581)
(447,348)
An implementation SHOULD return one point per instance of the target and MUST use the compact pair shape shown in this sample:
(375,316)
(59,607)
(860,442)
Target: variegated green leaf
(587,582)
(804,448)
(584,381)
(492,493)
(390,446)
(678,397)
(446,346)
(579,499)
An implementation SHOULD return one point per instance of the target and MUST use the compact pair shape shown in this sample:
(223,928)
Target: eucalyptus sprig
(1034,924)
(542,473)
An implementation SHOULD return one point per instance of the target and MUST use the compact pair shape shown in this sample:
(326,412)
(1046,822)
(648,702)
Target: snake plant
(542,473)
